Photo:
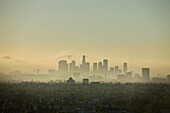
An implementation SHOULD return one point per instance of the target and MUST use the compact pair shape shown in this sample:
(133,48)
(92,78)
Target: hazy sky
(37,33)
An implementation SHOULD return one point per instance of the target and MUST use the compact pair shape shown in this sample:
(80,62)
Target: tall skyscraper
(105,65)
(72,66)
(85,66)
(145,74)
(94,67)
(100,67)
(125,68)
(84,59)
(63,67)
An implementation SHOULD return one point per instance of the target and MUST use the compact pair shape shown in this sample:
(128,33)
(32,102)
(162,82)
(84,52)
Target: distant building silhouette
(84,67)
(63,67)
(105,65)
(94,67)
(125,68)
(85,81)
(72,66)
(84,59)
(99,71)
(70,81)
(146,74)
(100,67)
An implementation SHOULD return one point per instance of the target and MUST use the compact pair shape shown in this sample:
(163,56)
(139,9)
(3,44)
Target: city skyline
(99,72)
(93,66)
(37,34)
(86,68)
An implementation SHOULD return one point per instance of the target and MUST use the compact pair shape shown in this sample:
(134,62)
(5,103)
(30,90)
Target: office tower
(105,65)
(84,67)
(72,66)
(84,59)
(116,69)
(100,67)
(125,68)
(145,74)
(63,67)
(94,67)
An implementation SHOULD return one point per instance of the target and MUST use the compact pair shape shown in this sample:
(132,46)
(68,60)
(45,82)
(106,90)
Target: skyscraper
(84,59)
(63,67)
(105,65)
(72,66)
(85,66)
(125,68)
(100,67)
(94,67)
(145,74)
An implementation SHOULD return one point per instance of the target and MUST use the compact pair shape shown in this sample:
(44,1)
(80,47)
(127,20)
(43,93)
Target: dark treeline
(32,97)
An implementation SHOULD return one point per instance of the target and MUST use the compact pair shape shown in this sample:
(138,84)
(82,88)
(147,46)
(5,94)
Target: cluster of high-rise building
(64,68)
(99,69)
(99,72)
